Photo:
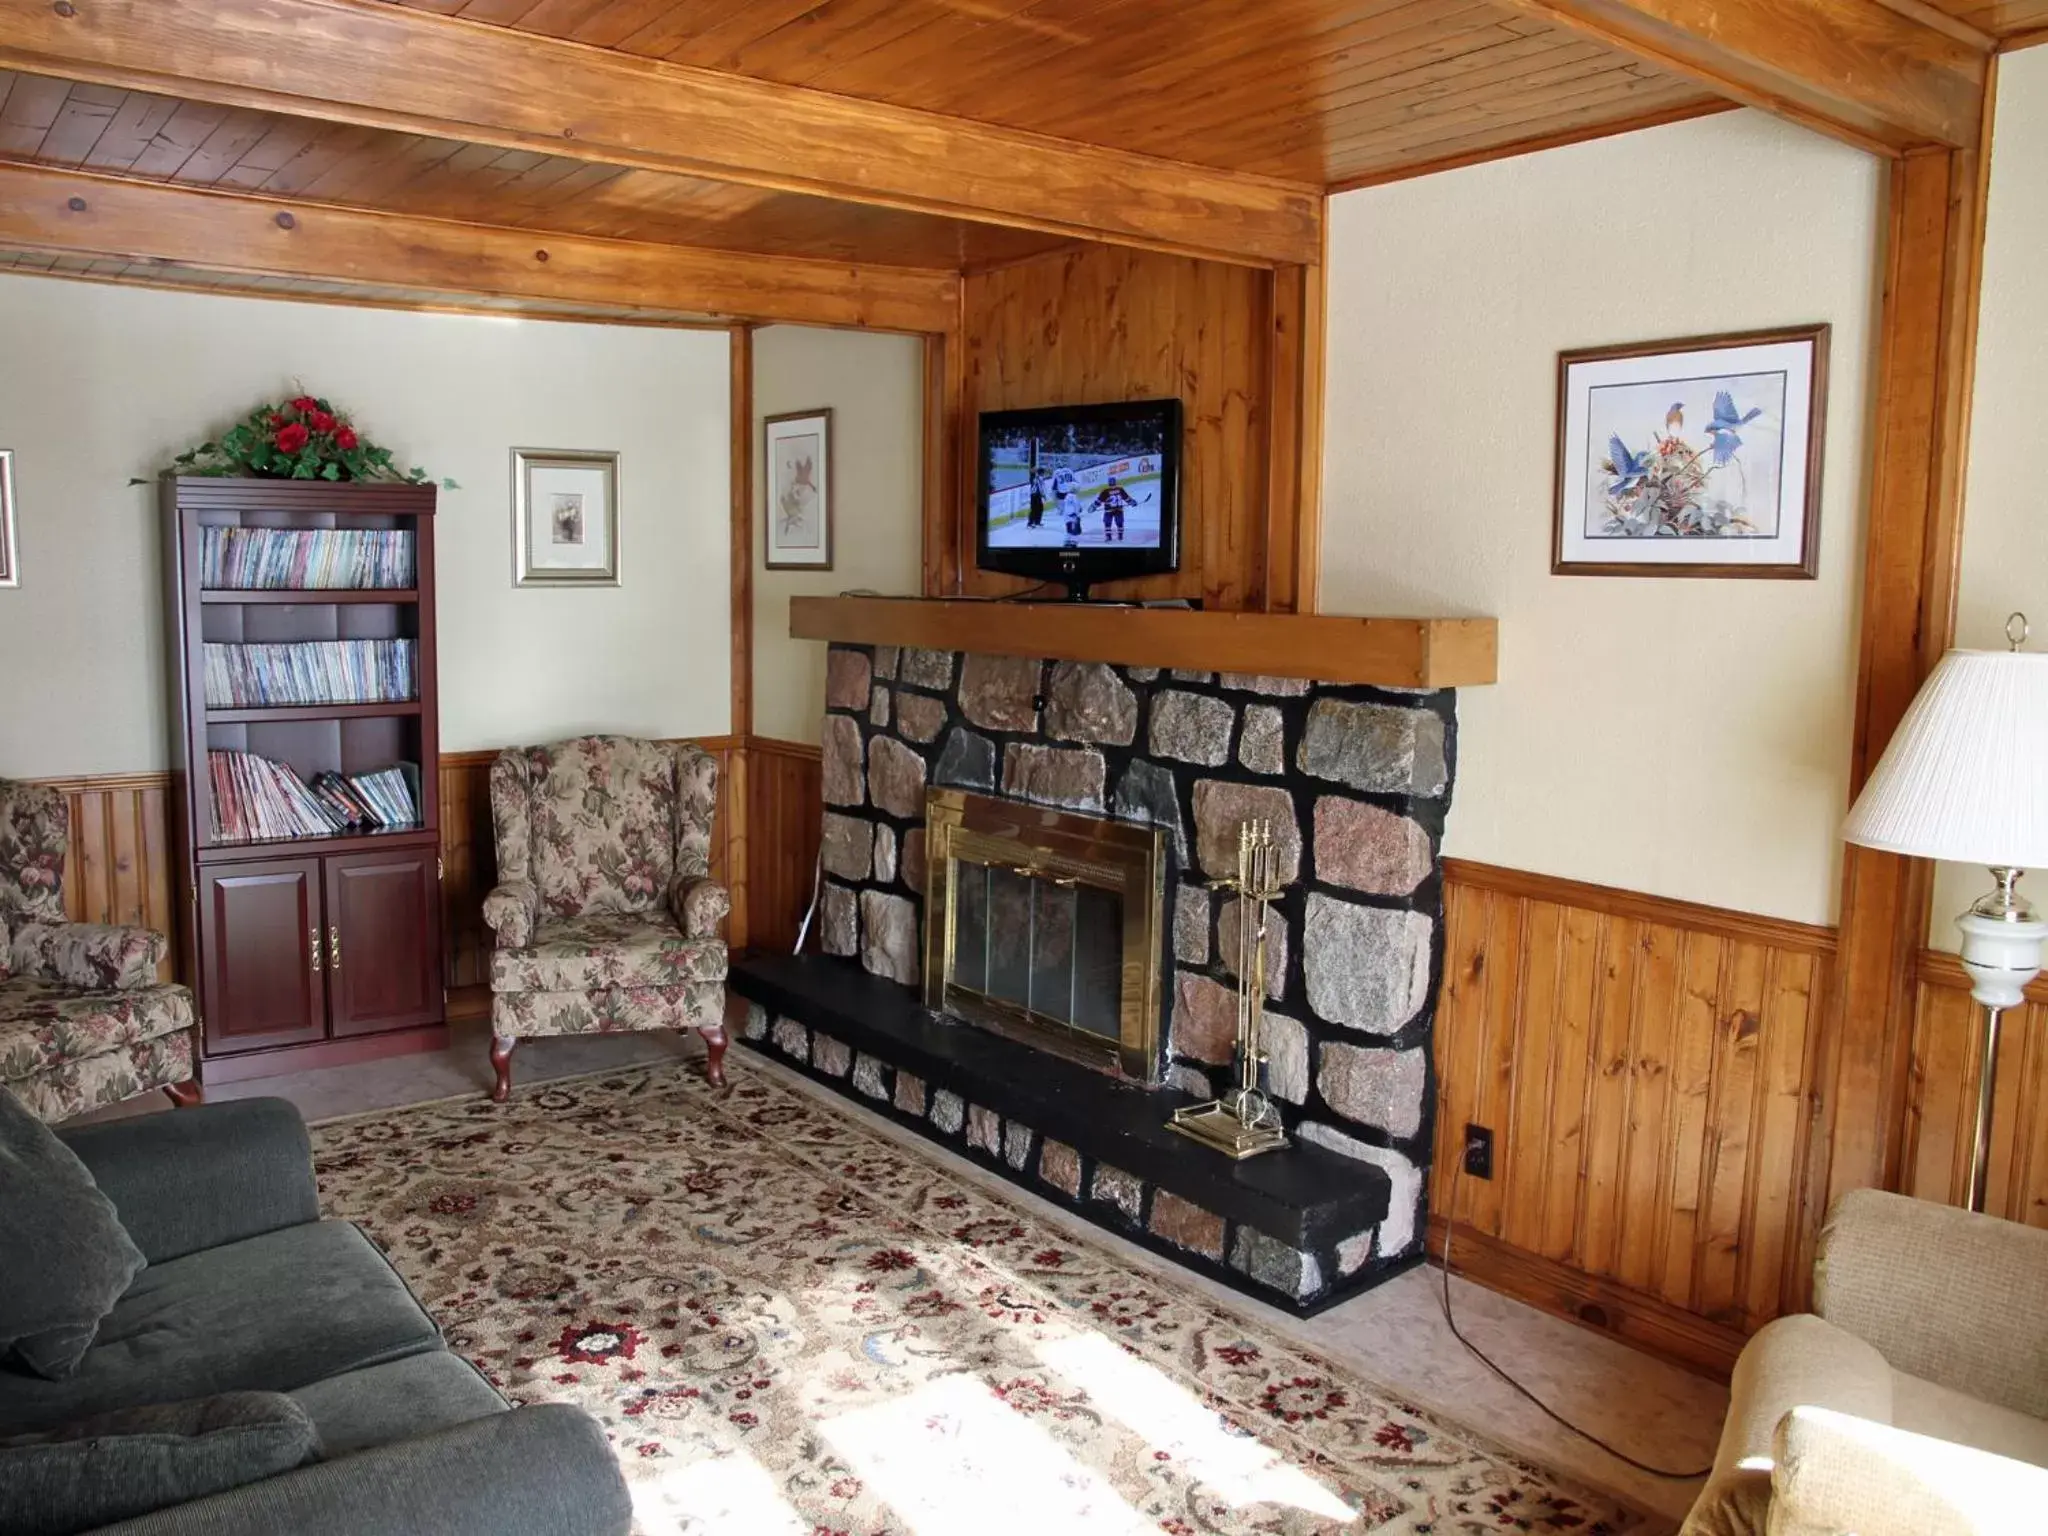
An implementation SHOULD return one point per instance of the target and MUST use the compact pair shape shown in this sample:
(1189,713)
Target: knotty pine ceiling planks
(1324,91)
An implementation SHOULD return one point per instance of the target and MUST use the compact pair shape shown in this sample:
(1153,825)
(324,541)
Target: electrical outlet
(1479,1151)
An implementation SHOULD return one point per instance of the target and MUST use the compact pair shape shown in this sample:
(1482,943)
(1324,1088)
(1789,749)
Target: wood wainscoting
(1644,1066)
(1941,1104)
(119,868)
(785,818)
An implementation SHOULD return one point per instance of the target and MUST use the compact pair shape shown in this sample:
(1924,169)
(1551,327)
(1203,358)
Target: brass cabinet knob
(334,949)
(313,947)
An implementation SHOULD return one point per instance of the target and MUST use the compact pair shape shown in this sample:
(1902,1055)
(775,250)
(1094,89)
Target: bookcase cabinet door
(383,930)
(262,965)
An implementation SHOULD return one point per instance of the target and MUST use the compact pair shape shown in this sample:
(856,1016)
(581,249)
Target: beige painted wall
(102,383)
(1683,737)
(2005,510)
(874,385)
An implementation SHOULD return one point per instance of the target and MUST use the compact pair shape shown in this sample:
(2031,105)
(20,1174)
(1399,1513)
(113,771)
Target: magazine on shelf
(256,799)
(307,559)
(306,672)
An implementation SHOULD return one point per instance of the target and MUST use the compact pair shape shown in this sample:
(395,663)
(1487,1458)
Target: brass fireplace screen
(1044,926)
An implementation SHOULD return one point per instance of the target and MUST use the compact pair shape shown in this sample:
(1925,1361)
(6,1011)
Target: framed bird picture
(798,459)
(1696,457)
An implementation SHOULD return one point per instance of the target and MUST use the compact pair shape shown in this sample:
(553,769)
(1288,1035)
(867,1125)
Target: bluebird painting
(1656,480)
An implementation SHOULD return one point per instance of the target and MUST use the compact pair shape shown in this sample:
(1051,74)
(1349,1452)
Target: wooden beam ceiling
(383,66)
(152,137)
(1866,71)
(76,214)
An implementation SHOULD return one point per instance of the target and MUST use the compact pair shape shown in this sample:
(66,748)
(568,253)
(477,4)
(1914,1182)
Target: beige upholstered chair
(605,915)
(83,1019)
(1912,1402)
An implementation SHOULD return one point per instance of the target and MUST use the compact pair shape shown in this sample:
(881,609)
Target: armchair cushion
(35,832)
(585,954)
(698,904)
(1957,1298)
(1839,1473)
(46,1024)
(94,957)
(117,1465)
(603,811)
(67,1258)
(510,912)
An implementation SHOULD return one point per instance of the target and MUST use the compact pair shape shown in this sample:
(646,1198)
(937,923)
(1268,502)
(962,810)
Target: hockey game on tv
(1075,485)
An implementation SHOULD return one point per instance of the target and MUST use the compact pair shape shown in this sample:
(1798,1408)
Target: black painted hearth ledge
(1297,1228)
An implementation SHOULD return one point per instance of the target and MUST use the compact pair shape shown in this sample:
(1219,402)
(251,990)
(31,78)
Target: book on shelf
(304,559)
(302,672)
(256,799)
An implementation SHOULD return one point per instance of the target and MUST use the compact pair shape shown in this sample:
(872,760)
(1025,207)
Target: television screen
(1077,484)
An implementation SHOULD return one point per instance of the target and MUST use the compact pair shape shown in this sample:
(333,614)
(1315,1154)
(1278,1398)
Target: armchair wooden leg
(502,1047)
(185,1094)
(714,1053)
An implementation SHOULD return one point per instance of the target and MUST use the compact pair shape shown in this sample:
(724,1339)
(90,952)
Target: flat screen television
(1080,493)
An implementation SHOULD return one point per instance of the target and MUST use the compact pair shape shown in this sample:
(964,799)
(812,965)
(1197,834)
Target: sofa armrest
(1956,1298)
(93,957)
(1839,1473)
(196,1178)
(540,1471)
(510,912)
(1791,1362)
(698,904)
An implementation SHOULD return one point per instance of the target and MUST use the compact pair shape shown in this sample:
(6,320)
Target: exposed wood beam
(1876,74)
(1927,349)
(73,212)
(387,66)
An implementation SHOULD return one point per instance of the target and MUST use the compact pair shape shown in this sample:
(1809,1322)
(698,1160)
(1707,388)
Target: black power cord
(1487,1360)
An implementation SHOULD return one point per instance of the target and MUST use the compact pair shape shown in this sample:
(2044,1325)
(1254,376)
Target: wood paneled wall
(1941,1106)
(785,818)
(1644,1066)
(120,866)
(1096,323)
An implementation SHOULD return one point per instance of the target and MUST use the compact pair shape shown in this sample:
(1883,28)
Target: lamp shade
(1966,775)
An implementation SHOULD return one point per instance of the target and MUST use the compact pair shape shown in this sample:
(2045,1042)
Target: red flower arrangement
(303,438)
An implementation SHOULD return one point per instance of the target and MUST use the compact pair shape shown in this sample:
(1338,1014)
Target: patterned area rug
(792,1326)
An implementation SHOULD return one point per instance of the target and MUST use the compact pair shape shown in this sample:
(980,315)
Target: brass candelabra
(1244,1122)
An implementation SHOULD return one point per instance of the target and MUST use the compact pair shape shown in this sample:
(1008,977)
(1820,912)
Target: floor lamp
(1966,779)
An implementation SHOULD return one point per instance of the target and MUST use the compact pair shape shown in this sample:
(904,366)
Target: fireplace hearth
(1354,781)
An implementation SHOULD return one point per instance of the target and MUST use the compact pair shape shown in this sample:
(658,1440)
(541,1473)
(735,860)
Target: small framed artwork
(565,518)
(10,569)
(798,456)
(1698,457)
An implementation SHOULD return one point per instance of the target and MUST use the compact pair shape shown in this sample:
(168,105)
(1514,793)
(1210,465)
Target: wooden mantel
(1331,648)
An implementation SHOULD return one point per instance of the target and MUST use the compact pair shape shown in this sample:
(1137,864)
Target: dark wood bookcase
(306,951)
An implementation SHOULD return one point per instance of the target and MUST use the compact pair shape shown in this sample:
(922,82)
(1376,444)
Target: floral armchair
(605,914)
(83,1019)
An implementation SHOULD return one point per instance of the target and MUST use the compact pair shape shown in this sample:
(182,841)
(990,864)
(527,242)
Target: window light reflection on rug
(728,1495)
(1231,1465)
(1965,778)
(951,1457)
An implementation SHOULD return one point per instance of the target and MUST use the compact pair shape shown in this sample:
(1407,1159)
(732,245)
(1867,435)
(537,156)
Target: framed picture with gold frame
(565,518)
(1693,457)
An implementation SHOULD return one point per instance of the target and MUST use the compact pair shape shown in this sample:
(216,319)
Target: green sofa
(247,1289)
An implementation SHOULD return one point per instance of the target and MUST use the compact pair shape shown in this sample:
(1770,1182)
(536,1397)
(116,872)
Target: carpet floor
(793,1326)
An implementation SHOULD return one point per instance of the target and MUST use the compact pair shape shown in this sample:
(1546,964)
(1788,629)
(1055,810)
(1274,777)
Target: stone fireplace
(1355,781)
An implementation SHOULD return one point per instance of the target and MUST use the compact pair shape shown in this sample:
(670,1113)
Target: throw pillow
(64,1257)
(115,1466)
